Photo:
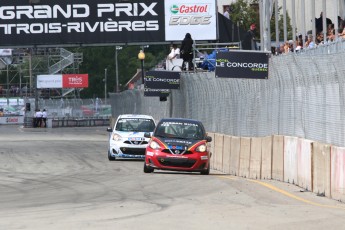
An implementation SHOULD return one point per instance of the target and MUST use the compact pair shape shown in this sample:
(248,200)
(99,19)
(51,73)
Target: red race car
(178,144)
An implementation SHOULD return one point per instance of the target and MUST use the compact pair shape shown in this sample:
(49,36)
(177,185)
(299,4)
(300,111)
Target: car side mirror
(147,135)
(208,139)
(109,129)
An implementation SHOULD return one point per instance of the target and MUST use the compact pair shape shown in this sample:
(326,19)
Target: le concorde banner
(242,64)
(162,80)
(89,22)
(156,92)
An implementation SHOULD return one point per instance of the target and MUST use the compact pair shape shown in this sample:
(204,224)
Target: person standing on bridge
(187,52)
(249,42)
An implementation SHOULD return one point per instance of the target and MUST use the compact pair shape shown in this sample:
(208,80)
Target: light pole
(105,86)
(116,67)
(141,56)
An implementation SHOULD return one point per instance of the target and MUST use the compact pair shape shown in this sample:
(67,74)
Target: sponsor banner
(59,81)
(57,22)
(199,18)
(156,92)
(239,64)
(49,81)
(11,102)
(12,120)
(162,80)
(75,80)
(5,52)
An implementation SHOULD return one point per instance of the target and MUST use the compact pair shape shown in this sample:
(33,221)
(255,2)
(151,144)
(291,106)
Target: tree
(280,25)
(245,12)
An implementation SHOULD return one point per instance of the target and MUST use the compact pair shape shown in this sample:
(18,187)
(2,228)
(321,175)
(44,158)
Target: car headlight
(154,145)
(201,148)
(116,137)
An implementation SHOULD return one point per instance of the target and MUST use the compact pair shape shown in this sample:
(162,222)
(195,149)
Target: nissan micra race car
(127,137)
(178,145)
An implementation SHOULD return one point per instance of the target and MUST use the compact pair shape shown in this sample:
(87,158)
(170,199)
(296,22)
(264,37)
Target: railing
(200,57)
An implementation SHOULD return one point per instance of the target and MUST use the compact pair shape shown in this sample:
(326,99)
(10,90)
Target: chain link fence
(304,96)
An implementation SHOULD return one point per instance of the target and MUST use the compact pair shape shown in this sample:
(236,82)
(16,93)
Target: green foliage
(245,13)
(280,25)
(97,59)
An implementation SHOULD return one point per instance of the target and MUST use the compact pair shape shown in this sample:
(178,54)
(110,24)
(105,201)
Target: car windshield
(135,125)
(180,130)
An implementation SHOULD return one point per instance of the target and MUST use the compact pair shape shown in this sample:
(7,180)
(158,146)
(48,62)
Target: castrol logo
(190,9)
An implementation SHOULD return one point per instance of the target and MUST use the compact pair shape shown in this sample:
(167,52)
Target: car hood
(181,144)
(130,134)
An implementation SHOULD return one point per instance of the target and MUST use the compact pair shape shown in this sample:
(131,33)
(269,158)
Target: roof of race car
(135,116)
(180,120)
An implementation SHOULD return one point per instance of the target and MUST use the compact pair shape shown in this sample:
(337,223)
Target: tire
(147,169)
(206,171)
(110,158)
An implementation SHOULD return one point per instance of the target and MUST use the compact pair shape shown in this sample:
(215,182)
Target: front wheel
(110,157)
(206,171)
(147,169)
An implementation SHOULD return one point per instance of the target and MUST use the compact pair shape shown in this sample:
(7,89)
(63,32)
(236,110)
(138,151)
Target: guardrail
(69,122)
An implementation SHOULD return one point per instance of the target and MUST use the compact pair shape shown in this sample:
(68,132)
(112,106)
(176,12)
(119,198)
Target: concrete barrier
(244,157)
(278,158)
(321,158)
(290,159)
(338,173)
(304,163)
(266,157)
(255,158)
(235,155)
(218,152)
(226,154)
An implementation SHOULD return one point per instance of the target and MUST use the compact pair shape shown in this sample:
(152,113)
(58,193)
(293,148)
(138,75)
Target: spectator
(38,116)
(187,52)
(44,118)
(342,34)
(249,42)
(174,52)
(286,47)
(319,38)
(310,43)
(319,23)
(330,33)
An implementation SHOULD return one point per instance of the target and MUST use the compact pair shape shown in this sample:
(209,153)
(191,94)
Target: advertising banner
(5,52)
(12,120)
(58,81)
(199,18)
(156,92)
(240,64)
(76,22)
(162,80)
(49,81)
(75,80)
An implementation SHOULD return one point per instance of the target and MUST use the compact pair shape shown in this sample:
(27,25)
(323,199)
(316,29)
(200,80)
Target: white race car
(126,139)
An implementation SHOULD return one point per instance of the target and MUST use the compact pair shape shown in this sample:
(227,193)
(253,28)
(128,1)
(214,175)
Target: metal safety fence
(304,96)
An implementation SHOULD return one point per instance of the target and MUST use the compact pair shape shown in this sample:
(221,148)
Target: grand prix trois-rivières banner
(101,22)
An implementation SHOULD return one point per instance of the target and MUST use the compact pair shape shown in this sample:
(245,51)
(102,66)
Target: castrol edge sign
(62,81)
(197,17)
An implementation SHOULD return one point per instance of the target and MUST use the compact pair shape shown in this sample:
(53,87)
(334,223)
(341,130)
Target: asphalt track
(61,179)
